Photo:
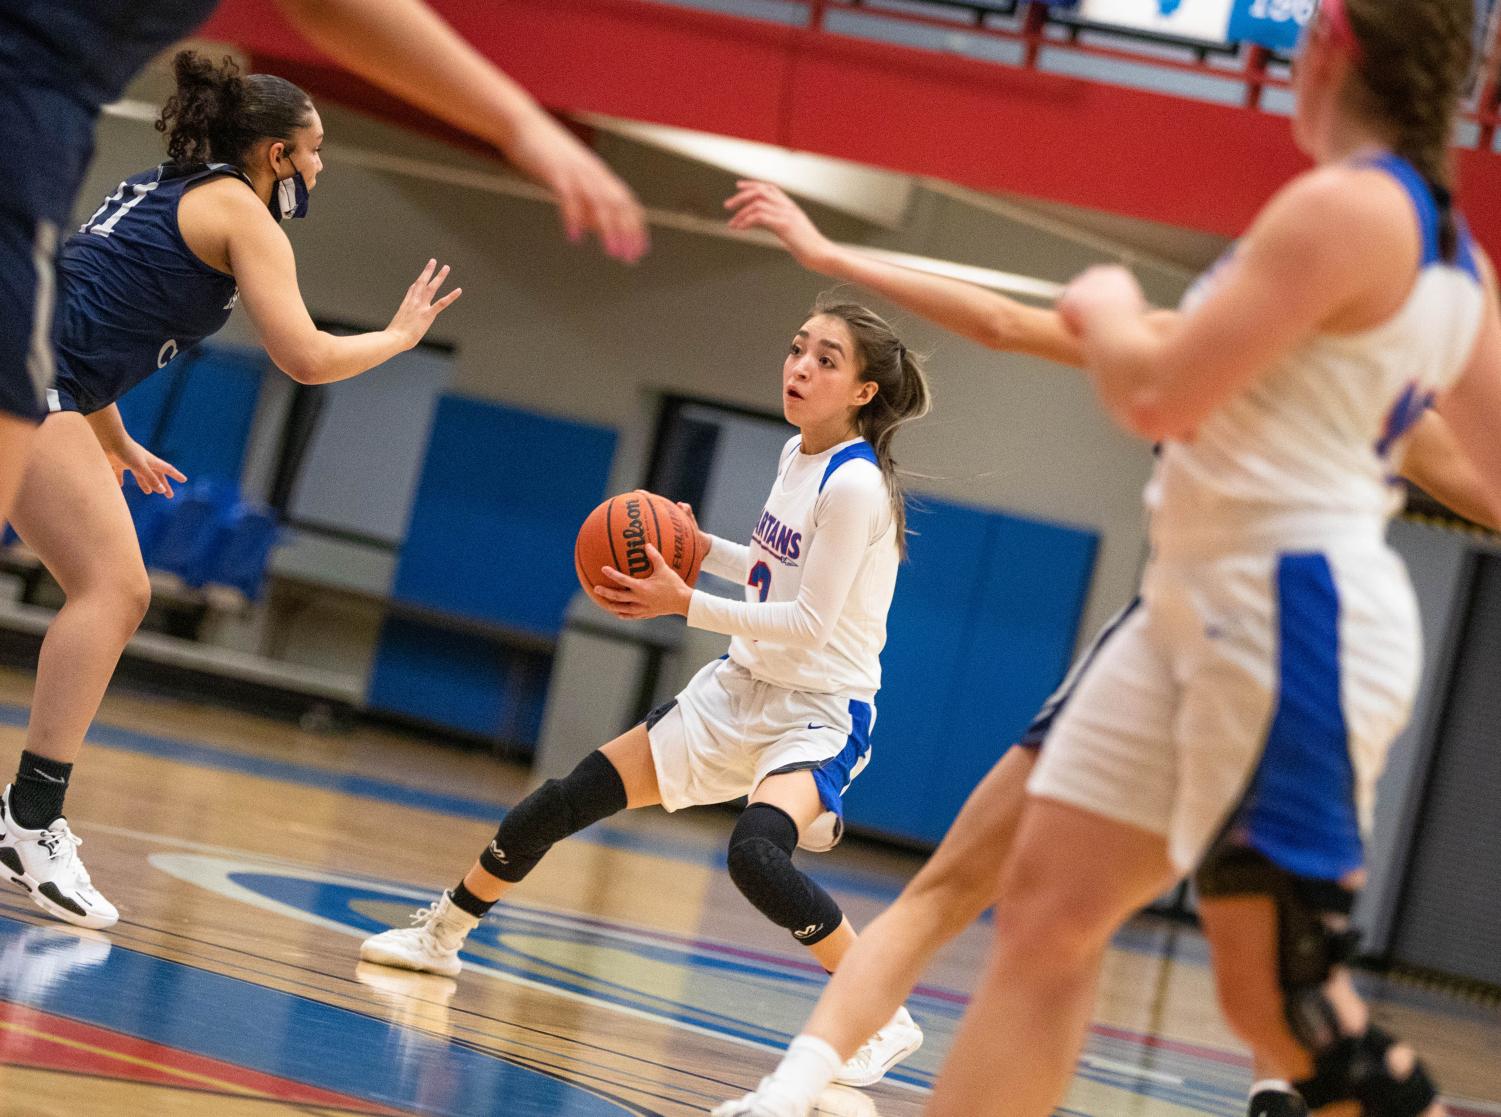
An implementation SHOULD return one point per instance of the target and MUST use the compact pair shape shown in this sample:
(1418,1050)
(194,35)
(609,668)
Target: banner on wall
(1205,21)
(1270,23)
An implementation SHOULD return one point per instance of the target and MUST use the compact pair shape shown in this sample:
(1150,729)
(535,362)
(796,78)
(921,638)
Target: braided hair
(1411,72)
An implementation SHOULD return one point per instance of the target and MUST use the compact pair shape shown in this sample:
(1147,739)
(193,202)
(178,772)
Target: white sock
(808,1067)
(1280,1085)
(455,916)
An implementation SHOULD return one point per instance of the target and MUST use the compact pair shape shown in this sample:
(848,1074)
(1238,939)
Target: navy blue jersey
(91,48)
(60,60)
(132,294)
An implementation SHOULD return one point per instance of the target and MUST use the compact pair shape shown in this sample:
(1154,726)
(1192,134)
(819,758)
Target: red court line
(42,1041)
(1177,1046)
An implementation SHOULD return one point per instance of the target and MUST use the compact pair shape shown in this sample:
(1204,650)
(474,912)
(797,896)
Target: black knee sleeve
(558,808)
(1356,1069)
(760,861)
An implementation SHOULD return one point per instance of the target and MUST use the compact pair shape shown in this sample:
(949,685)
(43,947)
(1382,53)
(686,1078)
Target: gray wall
(1438,562)
(549,326)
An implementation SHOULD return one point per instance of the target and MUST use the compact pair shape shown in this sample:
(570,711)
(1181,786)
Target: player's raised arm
(406,49)
(261,261)
(993,320)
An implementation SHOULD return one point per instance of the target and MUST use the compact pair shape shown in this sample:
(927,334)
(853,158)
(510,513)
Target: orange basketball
(617,532)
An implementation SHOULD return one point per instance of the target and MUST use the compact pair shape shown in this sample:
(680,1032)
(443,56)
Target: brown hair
(218,116)
(901,392)
(1413,67)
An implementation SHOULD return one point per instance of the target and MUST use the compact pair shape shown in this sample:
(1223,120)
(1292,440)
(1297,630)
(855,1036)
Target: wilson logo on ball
(637,564)
(680,536)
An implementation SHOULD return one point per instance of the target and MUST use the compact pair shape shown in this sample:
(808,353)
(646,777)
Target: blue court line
(386,791)
(283,1034)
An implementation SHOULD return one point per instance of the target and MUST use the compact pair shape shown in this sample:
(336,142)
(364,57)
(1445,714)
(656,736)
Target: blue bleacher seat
(150,513)
(240,559)
(194,531)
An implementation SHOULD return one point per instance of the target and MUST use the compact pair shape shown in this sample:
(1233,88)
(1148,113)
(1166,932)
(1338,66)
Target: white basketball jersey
(1302,459)
(836,502)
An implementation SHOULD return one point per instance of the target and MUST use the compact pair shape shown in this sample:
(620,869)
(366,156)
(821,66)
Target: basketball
(617,532)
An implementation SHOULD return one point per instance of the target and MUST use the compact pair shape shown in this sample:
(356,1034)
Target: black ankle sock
(36,797)
(465,900)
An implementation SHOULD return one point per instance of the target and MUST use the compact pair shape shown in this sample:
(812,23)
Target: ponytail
(217,115)
(902,394)
(1411,70)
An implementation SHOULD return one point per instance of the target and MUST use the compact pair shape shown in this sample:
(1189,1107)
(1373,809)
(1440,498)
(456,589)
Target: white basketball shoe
(45,863)
(431,944)
(899,1038)
(770,1099)
(792,1090)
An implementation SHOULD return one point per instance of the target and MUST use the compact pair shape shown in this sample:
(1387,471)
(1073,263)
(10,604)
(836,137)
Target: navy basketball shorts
(28,286)
(48,137)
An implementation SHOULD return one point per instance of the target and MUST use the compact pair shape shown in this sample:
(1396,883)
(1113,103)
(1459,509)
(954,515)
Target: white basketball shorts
(727,731)
(1254,696)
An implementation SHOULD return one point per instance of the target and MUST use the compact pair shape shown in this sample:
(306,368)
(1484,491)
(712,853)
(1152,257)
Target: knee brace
(558,808)
(760,862)
(1356,1068)
(1314,937)
(1313,933)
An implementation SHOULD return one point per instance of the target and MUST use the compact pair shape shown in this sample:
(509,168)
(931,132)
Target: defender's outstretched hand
(591,198)
(408,50)
(418,310)
(761,205)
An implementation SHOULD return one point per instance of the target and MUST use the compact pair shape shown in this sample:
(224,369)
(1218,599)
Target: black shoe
(1277,1103)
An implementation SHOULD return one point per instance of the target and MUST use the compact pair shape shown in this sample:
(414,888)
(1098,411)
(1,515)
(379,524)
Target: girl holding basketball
(785,718)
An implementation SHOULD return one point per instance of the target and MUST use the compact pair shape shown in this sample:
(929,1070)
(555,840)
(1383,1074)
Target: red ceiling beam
(994,127)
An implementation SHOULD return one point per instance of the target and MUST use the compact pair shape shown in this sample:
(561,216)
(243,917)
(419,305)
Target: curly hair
(217,115)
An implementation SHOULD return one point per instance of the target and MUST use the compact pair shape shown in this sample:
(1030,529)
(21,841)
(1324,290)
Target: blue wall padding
(212,392)
(501,498)
(459,680)
(928,636)
(983,626)
(502,495)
